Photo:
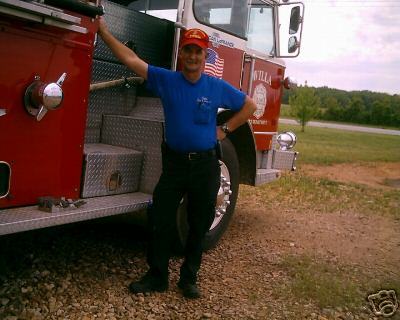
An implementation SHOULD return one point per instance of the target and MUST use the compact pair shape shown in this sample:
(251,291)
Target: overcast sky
(350,45)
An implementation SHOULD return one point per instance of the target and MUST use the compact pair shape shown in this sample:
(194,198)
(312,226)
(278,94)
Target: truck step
(143,135)
(110,170)
(284,159)
(148,108)
(29,218)
(266,175)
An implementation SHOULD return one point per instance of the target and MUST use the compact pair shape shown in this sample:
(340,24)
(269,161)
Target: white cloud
(350,45)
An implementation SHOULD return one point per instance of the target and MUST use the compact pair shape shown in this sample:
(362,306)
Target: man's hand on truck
(122,52)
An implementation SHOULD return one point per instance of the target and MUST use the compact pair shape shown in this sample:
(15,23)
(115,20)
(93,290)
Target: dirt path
(350,237)
(383,175)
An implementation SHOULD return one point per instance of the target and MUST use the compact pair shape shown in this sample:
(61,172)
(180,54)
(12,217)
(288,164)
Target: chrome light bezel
(286,140)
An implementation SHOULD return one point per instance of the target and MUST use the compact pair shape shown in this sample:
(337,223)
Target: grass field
(285,111)
(332,286)
(323,195)
(341,284)
(328,146)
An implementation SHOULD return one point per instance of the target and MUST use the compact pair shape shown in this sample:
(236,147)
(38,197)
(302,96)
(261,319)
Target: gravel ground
(82,272)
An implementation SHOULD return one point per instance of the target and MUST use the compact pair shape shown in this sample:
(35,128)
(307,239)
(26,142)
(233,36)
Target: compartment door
(44,157)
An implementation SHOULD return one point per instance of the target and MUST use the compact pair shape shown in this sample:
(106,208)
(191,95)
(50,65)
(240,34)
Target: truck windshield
(226,15)
(260,34)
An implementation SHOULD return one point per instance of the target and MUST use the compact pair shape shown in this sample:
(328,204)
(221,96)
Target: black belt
(210,153)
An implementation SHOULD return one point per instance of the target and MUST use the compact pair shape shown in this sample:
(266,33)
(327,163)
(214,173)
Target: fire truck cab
(80,135)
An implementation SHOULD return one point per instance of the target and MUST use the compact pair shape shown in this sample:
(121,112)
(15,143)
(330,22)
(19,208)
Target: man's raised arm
(122,52)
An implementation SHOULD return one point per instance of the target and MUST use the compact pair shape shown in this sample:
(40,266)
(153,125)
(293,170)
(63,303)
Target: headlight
(286,140)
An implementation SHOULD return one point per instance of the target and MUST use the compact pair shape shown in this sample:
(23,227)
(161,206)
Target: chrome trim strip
(270,133)
(20,219)
(9,180)
(51,17)
(37,9)
(55,23)
(178,26)
(253,61)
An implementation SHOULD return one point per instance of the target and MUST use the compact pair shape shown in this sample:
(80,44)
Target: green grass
(285,112)
(305,193)
(323,283)
(329,285)
(325,146)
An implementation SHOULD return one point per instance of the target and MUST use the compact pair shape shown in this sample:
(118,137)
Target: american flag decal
(214,64)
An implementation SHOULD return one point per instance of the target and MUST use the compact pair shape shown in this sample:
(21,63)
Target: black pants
(199,179)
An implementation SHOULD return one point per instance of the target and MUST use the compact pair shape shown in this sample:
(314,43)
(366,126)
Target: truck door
(262,74)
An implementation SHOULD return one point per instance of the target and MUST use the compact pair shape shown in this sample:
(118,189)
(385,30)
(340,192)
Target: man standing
(190,100)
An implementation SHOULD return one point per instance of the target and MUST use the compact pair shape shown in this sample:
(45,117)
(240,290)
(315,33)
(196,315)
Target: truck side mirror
(291,17)
(294,20)
(293,44)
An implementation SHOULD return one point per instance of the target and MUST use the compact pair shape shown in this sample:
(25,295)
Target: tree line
(363,107)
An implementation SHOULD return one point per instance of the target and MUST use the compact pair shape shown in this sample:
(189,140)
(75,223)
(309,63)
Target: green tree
(355,112)
(304,105)
(381,113)
(333,110)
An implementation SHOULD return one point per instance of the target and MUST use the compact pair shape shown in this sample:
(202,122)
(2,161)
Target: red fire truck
(79,134)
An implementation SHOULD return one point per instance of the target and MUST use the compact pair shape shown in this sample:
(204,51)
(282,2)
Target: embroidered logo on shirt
(203,114)
(203,101)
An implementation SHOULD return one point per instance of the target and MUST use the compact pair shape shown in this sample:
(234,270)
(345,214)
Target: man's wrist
(224,127)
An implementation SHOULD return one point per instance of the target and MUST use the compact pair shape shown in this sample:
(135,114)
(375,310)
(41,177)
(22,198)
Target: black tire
(229,170)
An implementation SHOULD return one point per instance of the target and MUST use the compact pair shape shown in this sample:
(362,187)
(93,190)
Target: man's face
(192,58)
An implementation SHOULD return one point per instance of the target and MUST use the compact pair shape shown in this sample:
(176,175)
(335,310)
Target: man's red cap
(195,36)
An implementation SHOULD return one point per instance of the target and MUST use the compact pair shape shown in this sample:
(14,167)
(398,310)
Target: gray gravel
(82,272)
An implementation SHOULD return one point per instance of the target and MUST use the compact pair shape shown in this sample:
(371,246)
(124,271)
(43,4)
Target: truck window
(227,15)
(260,34)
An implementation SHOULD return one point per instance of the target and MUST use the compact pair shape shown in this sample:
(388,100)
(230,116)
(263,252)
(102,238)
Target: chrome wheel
(223,196)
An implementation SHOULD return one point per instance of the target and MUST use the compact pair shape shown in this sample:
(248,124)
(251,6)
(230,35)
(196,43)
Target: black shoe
(148,284)
(189,290)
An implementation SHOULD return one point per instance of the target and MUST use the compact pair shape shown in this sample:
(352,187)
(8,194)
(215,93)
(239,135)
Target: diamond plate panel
(151,170)
(114,100)
(30,218)
(139,134)
(152,38)
(284,159)
(132,133)
(148,108)
(103,71)
(92,135)
(266,175)
(101,162)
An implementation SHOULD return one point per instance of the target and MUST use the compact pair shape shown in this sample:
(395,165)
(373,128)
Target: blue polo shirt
(190,109)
